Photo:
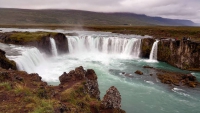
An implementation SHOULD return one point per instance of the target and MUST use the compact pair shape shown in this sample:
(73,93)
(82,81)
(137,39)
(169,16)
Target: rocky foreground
(78,92)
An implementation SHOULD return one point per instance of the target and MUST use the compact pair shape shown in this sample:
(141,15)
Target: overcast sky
(177,9)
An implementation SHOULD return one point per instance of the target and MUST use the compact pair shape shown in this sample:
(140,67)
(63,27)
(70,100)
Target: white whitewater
(154,50)
(53,47)
(29,60)
(108,45)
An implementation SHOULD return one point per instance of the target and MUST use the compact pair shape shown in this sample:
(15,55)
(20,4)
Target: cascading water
(153,54)
(53,47)
(29,60)
(108,45)
(140,94)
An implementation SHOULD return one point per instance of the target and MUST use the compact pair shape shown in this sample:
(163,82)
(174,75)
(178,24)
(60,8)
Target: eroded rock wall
(183,54)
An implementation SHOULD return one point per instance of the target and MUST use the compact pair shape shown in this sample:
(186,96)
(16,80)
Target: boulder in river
(139,72)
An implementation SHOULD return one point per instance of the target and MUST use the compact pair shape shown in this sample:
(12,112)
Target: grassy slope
(75,17)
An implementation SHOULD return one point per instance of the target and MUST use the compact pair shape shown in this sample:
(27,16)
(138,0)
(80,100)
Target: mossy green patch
(6,85)
(78,98)
(24,37)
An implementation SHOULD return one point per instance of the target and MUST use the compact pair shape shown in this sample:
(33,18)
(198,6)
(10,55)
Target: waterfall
(153,54)
(108,45)
(53,47)
(29,60)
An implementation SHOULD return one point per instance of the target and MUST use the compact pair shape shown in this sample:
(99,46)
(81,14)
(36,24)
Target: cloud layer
(176,9)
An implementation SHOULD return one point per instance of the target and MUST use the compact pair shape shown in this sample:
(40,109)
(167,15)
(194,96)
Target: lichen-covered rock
(92,84)
(112,99)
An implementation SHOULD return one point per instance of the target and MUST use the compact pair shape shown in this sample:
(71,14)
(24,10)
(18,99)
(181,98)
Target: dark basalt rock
(183,54)
(147,66)
(73,75)
(91,75)
(35,77)
(139,72)
(5,62)
(146,46)
(61,43)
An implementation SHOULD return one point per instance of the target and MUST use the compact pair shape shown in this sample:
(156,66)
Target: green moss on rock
(25,37)
(5,62)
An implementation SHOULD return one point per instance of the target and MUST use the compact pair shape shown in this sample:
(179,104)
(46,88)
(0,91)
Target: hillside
(76,17)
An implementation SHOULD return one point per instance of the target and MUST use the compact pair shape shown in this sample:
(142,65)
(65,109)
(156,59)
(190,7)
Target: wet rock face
(112,99)
(92,84)
(5,62)
(139,72)
(61,43)
(147,44)
(183,54)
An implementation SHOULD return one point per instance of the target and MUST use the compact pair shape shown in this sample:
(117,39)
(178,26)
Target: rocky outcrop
(73,75)
(139,72)
(88,76)
(111,102)
(112,99)
(92,84)
(183,54)
(5,62)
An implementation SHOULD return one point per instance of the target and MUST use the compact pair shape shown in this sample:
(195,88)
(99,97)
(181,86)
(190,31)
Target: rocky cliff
(40,40)
(184,54)
(146,44)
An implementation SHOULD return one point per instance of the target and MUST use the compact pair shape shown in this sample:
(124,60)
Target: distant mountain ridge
(78,17)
